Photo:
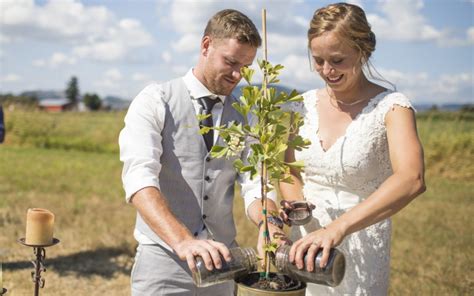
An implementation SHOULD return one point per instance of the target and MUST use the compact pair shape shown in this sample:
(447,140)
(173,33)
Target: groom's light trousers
(159,272)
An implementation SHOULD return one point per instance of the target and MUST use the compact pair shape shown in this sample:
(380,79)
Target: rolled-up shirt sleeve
(140,141)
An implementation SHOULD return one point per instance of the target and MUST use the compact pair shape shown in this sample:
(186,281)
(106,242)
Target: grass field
(69,164)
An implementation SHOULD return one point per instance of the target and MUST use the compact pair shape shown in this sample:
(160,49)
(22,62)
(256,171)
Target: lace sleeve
(300,107)
(389,102)
(293,107)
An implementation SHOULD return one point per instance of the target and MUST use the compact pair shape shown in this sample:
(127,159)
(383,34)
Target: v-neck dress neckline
(348,129)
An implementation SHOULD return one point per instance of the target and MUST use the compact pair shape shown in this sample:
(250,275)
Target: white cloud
(5,39)
(421,87)
(356,2)
(188,43)
(192,16)
(470,34)
(402,20)
(297,74)
(57,59)
(94,30)
(39,63)
(111,80)
(454,41)
(102,51)
(451,84)
(116,43)
(179,69)
(16,11)
(140,77)
(57,19)
(166,56)
(286,44)
(113,74)
(286,28)
(10,78)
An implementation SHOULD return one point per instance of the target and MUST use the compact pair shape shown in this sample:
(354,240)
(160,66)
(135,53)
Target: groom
(183,196)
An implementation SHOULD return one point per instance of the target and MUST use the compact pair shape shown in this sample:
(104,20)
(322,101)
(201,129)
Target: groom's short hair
(232,24)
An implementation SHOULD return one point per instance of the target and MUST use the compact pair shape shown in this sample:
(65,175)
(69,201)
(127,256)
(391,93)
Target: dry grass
(432,238)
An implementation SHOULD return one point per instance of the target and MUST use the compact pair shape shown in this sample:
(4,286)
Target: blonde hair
(230,23)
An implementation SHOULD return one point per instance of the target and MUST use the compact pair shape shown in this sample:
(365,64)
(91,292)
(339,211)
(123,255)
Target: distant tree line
(30,99)
(23,99)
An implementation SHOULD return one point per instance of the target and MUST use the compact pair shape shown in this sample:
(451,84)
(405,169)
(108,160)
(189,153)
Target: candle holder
(40,253)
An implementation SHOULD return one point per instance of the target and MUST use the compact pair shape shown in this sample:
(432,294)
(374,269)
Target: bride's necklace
(348,104)
(331,98)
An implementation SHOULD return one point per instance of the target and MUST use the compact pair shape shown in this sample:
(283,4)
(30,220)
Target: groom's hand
(210,251)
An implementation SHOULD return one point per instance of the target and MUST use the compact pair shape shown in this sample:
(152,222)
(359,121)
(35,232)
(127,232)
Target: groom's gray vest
(199,190)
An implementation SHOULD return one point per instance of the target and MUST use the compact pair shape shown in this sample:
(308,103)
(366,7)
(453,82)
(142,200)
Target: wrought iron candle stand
(40,253)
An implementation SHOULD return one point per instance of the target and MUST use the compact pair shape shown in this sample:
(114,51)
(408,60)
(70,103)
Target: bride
(365,162)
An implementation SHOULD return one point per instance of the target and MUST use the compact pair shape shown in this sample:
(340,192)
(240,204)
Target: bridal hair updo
(350,24)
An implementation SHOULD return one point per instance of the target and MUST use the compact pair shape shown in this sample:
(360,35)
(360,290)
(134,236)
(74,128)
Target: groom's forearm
(154,209)
(255,210)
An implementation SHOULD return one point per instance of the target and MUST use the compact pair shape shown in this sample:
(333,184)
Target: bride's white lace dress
(341,177)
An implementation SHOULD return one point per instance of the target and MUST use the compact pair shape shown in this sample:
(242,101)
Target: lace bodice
(358,161)
(343,176)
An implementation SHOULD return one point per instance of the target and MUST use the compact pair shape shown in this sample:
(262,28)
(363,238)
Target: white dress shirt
(141,149)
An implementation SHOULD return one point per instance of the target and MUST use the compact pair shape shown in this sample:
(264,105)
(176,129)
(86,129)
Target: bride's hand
(285,209)
(288,206)
(324,238)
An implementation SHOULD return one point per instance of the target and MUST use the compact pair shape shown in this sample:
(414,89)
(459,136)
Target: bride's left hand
(324,238)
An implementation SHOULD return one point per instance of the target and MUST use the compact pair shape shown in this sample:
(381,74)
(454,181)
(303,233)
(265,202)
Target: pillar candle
(39,227)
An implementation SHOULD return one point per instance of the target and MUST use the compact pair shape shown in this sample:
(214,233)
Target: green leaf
(204,130)
(247,74)
(253,174)
(236,128)
(280,148)
(218,151)
(294,96)
(296,164)
(270,247)
(298,143)
(241,109)
(247,168)
(201,117)
(279,67)
(288,180)
(244,101)
(238,164)
(247,129)
(274,79)
(280,129)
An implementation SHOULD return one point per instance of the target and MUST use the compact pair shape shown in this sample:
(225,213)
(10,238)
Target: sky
(117,47)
